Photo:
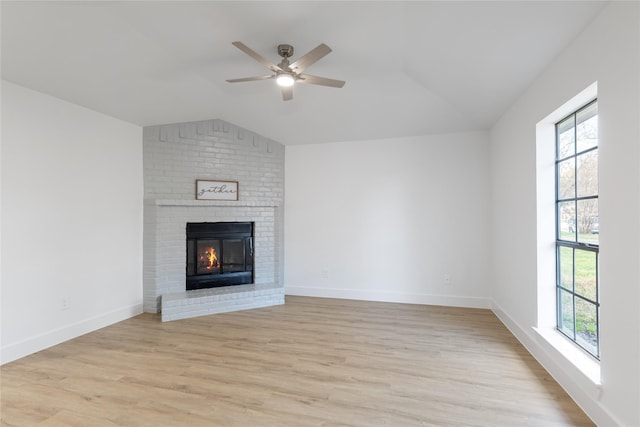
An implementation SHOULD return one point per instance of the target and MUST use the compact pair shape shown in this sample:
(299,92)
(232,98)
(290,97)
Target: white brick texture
(175,156)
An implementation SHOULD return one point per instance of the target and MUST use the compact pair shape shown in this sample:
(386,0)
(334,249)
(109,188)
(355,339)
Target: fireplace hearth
(219,254)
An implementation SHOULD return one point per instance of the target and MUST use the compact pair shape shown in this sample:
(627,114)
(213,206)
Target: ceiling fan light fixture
(286,73)
(285,80)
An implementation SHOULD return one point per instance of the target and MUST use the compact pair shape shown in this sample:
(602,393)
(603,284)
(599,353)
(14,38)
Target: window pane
(588,222)
(567,221)
(567,179)
(566,137)
(565,310)
(587,128)
(587,174)
(586,325)
(565,267)
(586,274)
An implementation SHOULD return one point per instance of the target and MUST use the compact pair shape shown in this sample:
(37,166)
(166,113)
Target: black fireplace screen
(219,254)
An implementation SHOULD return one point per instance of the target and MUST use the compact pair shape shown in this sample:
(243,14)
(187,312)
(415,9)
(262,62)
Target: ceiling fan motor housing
(285,50)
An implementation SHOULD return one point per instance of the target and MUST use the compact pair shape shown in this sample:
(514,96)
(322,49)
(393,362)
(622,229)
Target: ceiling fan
(286,73)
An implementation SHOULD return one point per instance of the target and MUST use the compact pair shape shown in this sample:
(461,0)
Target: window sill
(585,363)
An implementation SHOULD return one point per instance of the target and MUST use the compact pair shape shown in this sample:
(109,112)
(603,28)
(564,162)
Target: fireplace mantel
(217,203)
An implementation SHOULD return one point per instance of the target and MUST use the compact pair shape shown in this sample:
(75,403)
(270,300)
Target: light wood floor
(311,362)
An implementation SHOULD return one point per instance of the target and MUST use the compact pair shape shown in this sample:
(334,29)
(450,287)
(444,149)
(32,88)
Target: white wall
(607,52)
(387,219)
(71,220)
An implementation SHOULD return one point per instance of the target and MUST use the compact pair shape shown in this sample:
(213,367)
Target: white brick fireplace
(174,157)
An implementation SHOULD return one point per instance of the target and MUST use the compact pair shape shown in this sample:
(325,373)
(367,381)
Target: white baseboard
(45,340)
(386,296)
(582,390)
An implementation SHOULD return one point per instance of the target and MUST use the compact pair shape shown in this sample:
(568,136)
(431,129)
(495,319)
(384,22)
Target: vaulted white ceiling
(411,68)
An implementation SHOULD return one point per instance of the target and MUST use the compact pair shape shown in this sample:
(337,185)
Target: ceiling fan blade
(251,79)
(322,81)
(287,93)
(310,57)
(255,55)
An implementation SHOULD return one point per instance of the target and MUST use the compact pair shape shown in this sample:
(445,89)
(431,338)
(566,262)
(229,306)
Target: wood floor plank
(310,362)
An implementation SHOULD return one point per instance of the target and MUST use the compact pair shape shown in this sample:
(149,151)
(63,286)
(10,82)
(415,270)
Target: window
(578,228)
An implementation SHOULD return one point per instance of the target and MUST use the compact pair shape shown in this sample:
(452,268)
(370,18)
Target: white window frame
(552,341)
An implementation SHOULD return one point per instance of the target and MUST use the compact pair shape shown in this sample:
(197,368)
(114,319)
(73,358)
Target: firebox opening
(219,254)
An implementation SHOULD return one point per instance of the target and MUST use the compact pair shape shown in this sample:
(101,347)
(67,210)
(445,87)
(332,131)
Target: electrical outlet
(65,304)
(446,279)
(325,273)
